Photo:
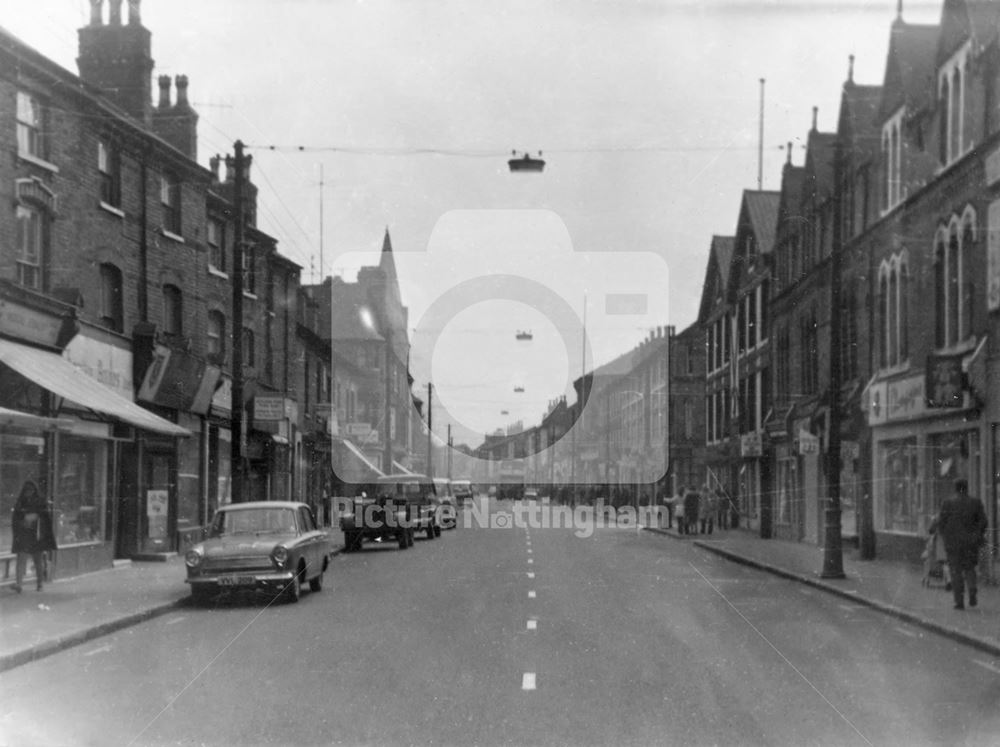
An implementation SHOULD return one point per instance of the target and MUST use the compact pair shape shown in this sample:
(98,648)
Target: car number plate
(236,580)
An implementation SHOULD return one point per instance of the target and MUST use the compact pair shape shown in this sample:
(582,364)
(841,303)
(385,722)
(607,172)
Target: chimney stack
(134,15)
(96,9)
(181,81)
(115,13)
(164,81)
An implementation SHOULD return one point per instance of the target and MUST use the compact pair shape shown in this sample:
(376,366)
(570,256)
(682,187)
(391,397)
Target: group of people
(698,512)
(957,533)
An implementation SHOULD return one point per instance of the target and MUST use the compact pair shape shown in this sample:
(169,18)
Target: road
(516,636)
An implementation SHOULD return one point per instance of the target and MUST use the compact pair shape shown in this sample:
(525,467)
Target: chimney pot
(96,9)
(115,14)
(815,115)
(134,14)
(164,81)
(181,81)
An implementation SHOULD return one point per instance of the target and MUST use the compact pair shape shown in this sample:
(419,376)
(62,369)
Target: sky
(370,115)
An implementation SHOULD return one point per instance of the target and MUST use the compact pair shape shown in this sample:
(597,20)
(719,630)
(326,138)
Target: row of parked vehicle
(277,547)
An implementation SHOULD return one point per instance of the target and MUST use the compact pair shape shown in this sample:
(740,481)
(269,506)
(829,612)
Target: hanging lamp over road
(526,162)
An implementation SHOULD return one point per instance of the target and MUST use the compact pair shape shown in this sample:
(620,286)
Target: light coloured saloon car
(268,546)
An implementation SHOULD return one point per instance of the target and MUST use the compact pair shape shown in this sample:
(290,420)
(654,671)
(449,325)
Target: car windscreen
(254,521)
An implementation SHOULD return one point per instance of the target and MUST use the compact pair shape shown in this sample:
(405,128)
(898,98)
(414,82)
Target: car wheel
(437,530)
(430,532)
(294,589)
(409,537)
(401,537)
(316,584)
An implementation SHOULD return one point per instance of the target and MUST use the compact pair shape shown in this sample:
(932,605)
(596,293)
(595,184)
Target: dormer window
(892,156)
(953,141)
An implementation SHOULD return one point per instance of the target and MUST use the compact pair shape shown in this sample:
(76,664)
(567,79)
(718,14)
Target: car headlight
(193,557)
(280,555)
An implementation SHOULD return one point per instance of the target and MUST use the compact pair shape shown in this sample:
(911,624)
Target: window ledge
(964,346)
(38,162)
(251,296)
(887,371)
(172,236)
(112,209)
(212,270)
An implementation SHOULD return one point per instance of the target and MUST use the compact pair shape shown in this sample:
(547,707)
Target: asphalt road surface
(516,636)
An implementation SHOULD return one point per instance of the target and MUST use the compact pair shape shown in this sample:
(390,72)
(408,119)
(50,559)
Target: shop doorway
(159,502)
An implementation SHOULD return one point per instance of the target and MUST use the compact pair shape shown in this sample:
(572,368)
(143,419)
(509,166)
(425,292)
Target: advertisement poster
(156,513)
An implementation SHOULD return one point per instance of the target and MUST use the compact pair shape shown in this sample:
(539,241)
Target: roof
(909,67)
(762,209)
(819,161)
(858,121)
(965,19)
(720,256)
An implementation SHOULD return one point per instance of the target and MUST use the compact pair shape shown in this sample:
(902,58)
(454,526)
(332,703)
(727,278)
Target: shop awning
(18,419)
(402,470)
(360,455)
(56,374)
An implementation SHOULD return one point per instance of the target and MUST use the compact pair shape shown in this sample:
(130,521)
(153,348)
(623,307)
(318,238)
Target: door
(810,496)
(159,499)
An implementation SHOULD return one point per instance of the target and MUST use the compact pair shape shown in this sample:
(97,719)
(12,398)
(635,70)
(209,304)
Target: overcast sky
(647,113)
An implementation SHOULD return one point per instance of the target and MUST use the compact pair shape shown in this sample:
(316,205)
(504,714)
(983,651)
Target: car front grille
(247,563)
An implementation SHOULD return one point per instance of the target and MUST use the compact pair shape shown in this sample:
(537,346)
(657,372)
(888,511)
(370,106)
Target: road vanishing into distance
(516,636)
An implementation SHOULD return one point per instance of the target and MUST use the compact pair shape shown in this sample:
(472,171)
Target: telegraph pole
(387,417)
(833,556)
(430,453)
(236,424)
(449,451)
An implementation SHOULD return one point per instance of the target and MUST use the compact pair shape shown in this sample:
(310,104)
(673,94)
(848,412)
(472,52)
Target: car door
(310,542)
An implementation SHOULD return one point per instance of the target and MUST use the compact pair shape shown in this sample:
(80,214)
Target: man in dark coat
(691,506)
(31,523)
(962,526)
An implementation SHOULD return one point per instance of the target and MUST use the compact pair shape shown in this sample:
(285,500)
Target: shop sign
(358,429)
(876,403)
(222,400)
(269,408)
(29,324)
(945,382)
(174,379)
(156,512)
(993,256)
(808,443)
(751,445)
(905,398)
(106,363)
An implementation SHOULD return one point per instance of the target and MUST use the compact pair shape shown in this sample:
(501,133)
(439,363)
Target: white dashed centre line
(529,551)
(528,681)
(904,631)
(530,561)
(530,574)
(983,664)
(532,624)
(531,595)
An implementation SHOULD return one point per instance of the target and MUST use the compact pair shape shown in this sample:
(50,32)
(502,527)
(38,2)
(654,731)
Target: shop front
(918,451)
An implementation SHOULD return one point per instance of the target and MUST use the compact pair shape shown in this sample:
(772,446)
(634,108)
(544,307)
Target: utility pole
(387,415)
(236,424)
(833,558)
(430,453)
(449,451)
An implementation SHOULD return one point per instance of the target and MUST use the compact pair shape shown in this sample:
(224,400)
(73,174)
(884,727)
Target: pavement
(75,610)
(71,611)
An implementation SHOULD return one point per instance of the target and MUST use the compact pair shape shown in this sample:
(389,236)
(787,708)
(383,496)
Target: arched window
(944,114)
(953,289)
(173,312)
(968,283)
(955,139)
(940,292)
(883,316)
(903,305)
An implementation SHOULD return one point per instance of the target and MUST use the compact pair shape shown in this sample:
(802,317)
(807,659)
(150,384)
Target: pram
(935,565)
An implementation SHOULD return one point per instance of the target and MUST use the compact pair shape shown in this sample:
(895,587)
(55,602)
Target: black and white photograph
(499,373)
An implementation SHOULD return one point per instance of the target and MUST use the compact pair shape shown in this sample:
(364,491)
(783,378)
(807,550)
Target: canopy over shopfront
(54,373)
(354,467)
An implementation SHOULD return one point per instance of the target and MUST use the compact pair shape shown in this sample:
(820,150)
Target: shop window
(899,507)
(81,490)
(22,458)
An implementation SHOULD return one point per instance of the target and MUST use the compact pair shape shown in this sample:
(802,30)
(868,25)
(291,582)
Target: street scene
(544,372)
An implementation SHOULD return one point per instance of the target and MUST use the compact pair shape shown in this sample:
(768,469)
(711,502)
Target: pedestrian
(722,510)
(962,525)
(677,503)
(668,504)
(708,509)
(31,524)
(691,508)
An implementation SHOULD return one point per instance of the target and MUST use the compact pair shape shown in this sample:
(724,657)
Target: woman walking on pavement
(32,528)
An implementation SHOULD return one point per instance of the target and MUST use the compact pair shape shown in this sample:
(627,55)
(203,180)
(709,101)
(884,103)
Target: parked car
(531,494)
(404,504)
(462,490)
(447,510)
(270,546)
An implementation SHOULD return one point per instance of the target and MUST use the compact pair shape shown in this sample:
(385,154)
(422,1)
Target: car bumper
(236,581)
